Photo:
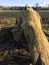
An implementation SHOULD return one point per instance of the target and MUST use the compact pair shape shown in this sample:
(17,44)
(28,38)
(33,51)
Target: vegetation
(8,19)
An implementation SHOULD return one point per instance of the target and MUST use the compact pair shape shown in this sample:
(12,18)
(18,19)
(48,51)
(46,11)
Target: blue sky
(22,2)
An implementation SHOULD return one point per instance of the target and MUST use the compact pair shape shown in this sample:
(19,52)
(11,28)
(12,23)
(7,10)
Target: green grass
(9,13)
(43,10)
(46,29)
(9,10)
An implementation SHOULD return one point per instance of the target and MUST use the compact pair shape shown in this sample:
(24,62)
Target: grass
(9,18)
(43,10)
(5,22)
(9,10)
(9,13)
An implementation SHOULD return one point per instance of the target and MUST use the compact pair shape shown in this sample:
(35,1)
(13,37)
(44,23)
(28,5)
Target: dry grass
(7,22)
(1,11)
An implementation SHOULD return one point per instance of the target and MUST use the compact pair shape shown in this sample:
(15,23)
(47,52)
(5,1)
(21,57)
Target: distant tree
(47,5)
(37,5)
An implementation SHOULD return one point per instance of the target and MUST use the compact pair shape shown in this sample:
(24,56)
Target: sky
(23,2)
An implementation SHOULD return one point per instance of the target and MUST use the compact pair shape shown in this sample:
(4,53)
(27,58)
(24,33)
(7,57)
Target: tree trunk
(37,41)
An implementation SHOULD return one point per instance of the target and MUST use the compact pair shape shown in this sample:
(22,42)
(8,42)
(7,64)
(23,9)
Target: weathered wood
(37,41)
(38,44)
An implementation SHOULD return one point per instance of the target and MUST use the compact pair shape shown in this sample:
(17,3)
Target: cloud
(45,4)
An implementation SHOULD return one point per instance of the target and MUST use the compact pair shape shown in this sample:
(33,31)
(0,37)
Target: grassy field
(9,13)
(9,10)
(9,19)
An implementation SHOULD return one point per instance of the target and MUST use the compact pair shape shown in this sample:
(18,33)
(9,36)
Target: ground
(8,20)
